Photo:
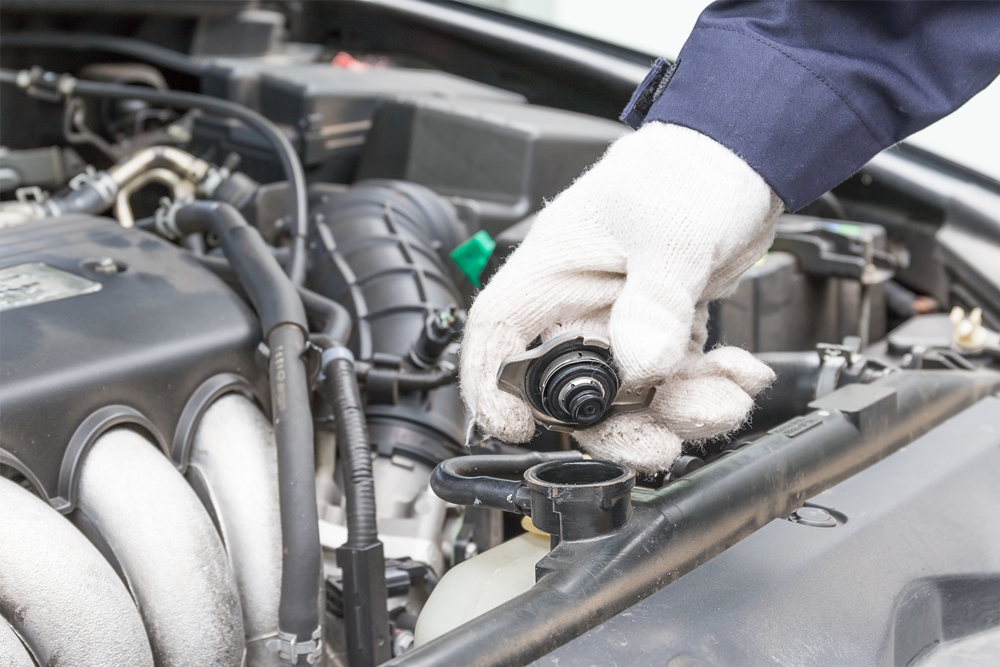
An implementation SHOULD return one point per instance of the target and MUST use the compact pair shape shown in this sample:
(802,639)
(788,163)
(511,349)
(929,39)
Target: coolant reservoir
(480,584)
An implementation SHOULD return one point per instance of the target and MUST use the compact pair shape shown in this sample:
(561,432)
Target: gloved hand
(635,249)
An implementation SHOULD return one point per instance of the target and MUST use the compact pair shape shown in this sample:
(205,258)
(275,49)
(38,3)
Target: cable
(361,558)
(125,46)
(51,86)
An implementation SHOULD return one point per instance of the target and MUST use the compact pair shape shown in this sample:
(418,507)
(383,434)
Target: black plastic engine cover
(146,344)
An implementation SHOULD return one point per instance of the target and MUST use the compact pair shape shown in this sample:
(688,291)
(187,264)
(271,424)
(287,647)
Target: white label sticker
(28,284)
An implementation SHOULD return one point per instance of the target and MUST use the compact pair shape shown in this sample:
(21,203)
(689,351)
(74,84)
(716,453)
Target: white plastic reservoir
(480,584)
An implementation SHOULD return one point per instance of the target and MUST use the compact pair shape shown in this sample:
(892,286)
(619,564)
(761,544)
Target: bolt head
(813,516)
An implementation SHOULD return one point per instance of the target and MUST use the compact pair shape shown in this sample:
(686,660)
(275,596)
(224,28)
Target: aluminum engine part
(11,648)
(234,467)
(167,547)
(411,518)
(59,593)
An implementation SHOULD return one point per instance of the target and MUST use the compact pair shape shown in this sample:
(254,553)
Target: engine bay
(232,288)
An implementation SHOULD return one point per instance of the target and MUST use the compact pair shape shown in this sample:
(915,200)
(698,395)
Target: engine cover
(103,326)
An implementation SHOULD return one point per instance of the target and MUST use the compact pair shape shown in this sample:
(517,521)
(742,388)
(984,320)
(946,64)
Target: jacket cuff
(780,117)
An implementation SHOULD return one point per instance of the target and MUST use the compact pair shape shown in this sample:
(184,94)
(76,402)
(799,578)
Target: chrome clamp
(289,648)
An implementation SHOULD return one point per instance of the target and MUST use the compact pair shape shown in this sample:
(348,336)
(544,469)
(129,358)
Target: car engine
(232,288)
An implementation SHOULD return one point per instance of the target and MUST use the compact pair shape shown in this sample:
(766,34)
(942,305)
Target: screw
(106,265)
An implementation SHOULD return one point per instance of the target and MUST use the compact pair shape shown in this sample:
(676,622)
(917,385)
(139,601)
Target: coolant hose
(361,558)
(283,321)
(67,86)
(491,480)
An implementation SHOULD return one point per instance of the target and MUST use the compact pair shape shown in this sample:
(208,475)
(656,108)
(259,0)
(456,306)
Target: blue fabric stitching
(818,77)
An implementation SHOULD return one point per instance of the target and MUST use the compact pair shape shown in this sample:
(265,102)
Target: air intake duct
(381,249)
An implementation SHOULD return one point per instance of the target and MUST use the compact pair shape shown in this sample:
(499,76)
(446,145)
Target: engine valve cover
(104,326)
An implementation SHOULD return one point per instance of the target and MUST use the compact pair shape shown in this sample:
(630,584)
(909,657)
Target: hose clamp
(335,352)
(209,181)
(164,219)
(103,182)
(44,85)
(288,648)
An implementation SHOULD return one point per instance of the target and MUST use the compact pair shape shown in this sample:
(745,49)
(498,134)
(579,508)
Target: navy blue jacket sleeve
(807,92)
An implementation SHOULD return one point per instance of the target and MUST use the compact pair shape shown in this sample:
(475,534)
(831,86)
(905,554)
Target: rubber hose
(290,163)
(486,480)
(273,296)
(356,258)
(82,200)
(334,320)
(301,562)
(794,387)
(407,380)
(284,322)
(426,380)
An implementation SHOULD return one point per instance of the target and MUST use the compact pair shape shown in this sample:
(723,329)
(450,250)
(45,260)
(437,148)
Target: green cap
(844,229)
(471,256)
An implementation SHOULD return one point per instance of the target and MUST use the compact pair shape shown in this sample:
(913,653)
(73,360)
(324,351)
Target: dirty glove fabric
(665,222)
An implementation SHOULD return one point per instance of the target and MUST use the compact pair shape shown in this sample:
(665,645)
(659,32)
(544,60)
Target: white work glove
(635,249)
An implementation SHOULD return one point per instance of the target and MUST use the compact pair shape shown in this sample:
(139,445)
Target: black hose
(273,296)
(301,562)
(67,86)
(426,380)
(283,320)
(80,200)
(361,558)
(407,380)
(333,319)
(486,480)
(125,46)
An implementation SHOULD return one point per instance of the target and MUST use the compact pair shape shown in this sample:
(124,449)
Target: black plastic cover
(158,328)
(333,106)
(329,109)
(505,158)
(909,575)
(776,306)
